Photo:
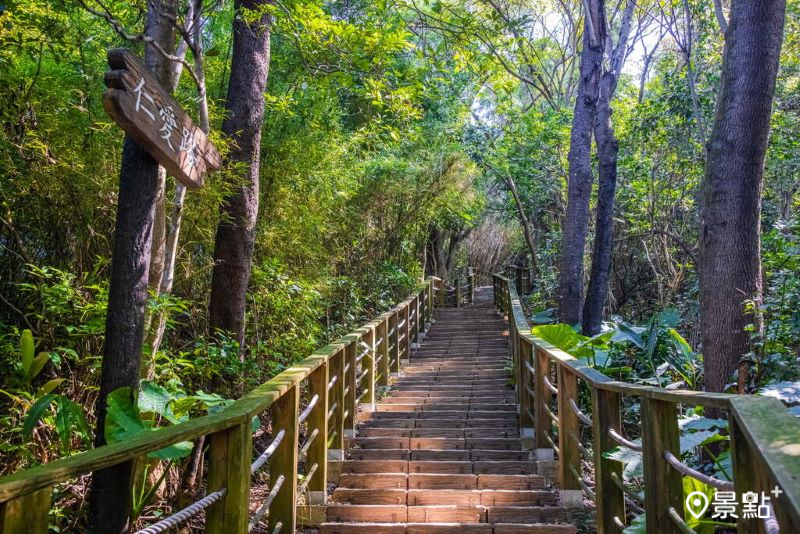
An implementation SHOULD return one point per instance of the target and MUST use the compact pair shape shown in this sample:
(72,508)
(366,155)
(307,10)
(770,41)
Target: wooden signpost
(141,107)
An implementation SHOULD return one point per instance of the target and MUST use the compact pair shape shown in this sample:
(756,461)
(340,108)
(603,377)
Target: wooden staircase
(441,452)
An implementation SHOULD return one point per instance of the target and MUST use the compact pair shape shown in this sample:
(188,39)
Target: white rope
(184,515)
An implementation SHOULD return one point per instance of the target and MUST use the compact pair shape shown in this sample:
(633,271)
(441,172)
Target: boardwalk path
(442,453)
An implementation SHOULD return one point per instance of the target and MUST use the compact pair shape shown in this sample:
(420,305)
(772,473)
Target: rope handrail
(616,436)
(307,411)
(550,385)
(311,472)
(585,419)
(264,507)
(332,382)
(684,469)
(184,515)
(309,440)
(269,451)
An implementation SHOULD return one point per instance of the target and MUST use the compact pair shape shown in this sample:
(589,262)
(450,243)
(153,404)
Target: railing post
(383,351)
(431,303)
(336,396)
(609,498)
(350,406)
(569,457)
(442,292)
(230,454)
(318,419)
(663,484)
(541,400)
(471,288)
(748,476)
(28,514)
(407,331)
(526,398)
(458,292)
(369,365)
(394,352)
(284,461)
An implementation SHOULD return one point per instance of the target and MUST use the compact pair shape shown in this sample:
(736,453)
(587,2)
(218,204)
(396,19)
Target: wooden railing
(764,436)
(334,383)
(460,293)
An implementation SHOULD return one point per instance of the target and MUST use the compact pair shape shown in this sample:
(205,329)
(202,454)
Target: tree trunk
(579,188)
(173,230)
(607,149)
(730,255)
(111,487)
(138,212)
(234,241)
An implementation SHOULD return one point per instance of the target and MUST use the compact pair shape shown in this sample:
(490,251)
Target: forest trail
(442,451)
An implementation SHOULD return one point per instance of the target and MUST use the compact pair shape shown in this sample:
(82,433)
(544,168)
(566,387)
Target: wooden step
(536,528)
(525,514)
(366,513)
(374,481)
(362,528)
(447,514)
(369,496)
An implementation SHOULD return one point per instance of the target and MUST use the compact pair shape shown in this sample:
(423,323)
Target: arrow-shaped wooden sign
(141,107)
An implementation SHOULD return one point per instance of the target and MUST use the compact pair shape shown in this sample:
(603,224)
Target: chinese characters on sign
(138,103)
(725,506)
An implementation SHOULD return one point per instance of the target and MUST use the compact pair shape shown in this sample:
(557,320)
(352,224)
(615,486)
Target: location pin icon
(697,504)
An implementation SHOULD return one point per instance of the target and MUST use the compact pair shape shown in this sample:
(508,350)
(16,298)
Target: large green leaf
(69,419)
(561,336)
(632,460)
(637,526)
(626,332)
(38,364)
(26,350)
(35,414)
(153,398)
(122,417)
(123,422)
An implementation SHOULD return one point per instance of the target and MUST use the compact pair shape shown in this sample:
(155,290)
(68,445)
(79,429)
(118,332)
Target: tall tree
(579,186)
(235,237)
(730,254)
(140,188)
(607,150)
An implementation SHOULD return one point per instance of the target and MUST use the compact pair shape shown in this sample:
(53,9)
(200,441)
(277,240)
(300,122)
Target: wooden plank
(383,368)
(446,514)
(663,484)
(146,111)
(318,419)
(284,460)
(366,513)
(773,439)
(370,481)
(28,514)
(609,498)
(230,455)
(511,482)
(542,399)
(351,406)
(569,457)
(336,422)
